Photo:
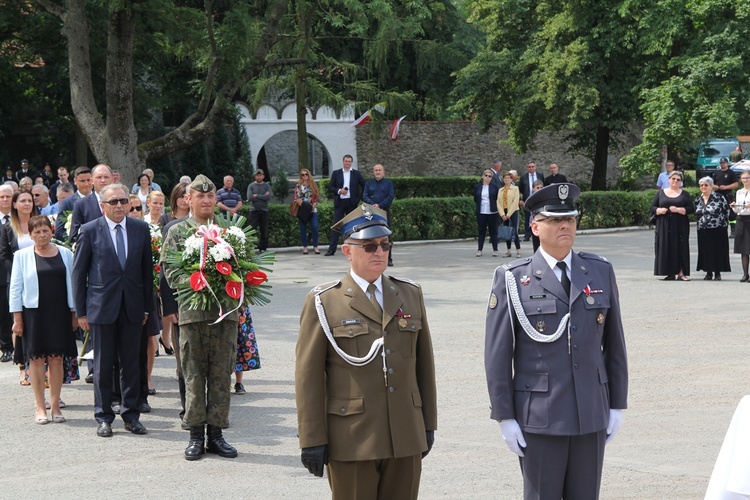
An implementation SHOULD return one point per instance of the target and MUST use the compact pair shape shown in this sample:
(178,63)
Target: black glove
(314,458)
(430,435)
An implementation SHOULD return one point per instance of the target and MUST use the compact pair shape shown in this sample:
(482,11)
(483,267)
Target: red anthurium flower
(196,281)
(233,289)
(256,278)
(224,268)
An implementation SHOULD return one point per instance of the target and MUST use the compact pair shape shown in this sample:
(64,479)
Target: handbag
(304,212)
(293,208)
(505,233)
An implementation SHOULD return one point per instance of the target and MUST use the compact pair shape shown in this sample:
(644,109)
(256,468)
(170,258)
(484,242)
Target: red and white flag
(362,119)
(394,128)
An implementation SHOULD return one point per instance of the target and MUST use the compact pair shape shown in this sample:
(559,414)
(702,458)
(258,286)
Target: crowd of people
(500,199)
(716,208)
(78,258)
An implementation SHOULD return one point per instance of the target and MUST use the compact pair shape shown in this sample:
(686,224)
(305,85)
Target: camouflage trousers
(207,356)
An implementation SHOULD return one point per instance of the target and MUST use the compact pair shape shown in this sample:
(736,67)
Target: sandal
(58,419)
(316,251)
(48,406)
(305,252)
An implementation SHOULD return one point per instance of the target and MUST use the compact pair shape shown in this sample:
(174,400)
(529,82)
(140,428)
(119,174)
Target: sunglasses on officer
(372,247)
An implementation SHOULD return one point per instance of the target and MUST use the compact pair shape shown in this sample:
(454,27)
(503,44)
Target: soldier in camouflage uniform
(207,351)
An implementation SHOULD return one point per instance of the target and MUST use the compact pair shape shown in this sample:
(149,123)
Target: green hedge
(423,187)
(451,218)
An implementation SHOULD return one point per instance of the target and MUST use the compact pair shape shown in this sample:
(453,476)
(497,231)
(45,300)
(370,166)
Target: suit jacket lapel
(547,278)
(579,276)
(358,299)
(107,238)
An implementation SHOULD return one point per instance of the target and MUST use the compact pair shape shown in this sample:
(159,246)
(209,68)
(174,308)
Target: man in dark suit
(371,419)
(84,185)
(554,177)
(24,171)
(88,208)
(555,355)
(525,187)
(346,187)
(497,168)
(113,290)
(6,324)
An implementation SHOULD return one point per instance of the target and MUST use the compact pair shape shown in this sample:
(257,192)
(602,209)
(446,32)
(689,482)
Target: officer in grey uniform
(555,355)
(207,350)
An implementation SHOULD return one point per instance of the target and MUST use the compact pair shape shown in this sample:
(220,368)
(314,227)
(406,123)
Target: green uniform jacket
(351,408)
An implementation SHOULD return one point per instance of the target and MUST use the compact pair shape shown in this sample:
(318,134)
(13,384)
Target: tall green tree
(556,65)
(702,52)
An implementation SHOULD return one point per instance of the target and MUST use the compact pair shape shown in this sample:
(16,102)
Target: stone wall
(459,148)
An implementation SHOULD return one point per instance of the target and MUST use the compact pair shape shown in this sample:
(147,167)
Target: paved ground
(688,350)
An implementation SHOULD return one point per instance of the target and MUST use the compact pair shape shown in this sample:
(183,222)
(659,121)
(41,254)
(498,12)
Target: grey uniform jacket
(563,388)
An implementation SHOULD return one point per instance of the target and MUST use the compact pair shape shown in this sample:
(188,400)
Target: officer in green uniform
(207,351)
(365,375)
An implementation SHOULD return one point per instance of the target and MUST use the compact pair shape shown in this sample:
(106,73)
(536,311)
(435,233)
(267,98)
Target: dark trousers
(345,206)
(513,222)
(259,220)
(6,323)
(142,371)
(567,467)
(121,340)
(390,238)
(485,221)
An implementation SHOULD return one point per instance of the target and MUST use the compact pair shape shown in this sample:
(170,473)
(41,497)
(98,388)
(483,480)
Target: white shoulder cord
(346,357)
(512,290)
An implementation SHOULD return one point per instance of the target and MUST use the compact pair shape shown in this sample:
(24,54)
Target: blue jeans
(313,226)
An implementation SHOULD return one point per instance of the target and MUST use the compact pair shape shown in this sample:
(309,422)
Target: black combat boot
(195,450)
(216,444)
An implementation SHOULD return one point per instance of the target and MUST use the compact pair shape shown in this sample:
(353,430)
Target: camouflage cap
(202,184)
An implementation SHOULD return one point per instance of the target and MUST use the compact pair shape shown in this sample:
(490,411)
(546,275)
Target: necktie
(6,219)
(120,245)
(373,300)
(564,280)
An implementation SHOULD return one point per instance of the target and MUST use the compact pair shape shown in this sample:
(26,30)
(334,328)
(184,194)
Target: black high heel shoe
(167,350)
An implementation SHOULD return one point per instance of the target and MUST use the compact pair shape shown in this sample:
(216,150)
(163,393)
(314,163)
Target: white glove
(615,422)
(513,436)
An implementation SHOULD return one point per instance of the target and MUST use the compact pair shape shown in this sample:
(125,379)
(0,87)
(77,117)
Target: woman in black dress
(41,301)
(671,207)
(712,210)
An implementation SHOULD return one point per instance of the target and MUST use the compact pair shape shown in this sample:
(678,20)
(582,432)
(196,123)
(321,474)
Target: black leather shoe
(90,378)
(143,407)
(717,277)
(104,430)
(136,427)
(215,443)
(744,279)
(7,356)
(708,277)
(329,253)
(195,449)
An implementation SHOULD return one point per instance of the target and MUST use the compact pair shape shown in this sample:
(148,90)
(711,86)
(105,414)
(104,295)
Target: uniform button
(390,370)
(575,365)
(528,385)
(538,309)
(343,410)
(385,334)
(574,328)
(575,347)
(599,302)
(388,352)
(413,327)
(351,333)
(391,389)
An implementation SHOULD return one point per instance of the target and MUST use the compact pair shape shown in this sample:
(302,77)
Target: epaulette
(325,286)
(405,280)
(593,256)
(518,262)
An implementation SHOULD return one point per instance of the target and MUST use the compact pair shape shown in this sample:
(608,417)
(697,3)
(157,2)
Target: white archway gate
(335,133)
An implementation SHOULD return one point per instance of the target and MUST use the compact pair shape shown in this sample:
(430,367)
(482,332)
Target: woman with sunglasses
(485,197)
(670,209)
(712,210)
(306,191)
(136,207)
